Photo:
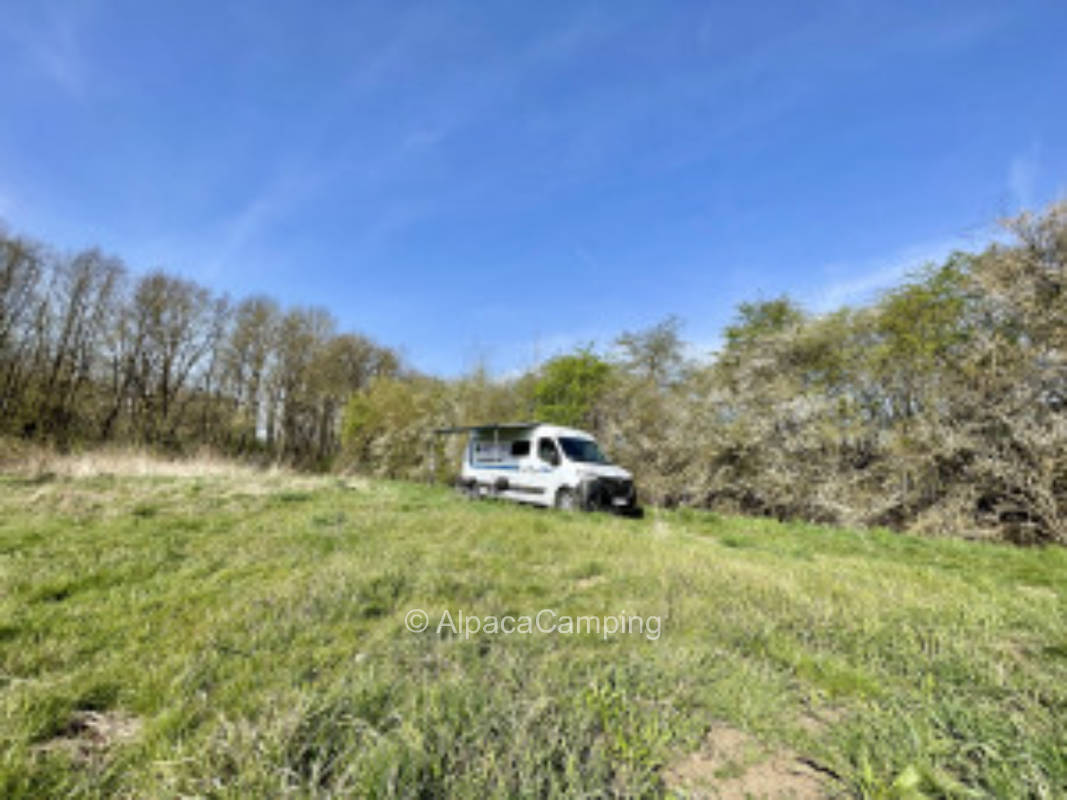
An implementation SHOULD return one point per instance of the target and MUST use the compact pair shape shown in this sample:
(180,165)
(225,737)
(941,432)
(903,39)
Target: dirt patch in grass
(89,734)
(732,765)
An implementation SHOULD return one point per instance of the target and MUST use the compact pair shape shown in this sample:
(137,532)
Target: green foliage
(757,320)
(385,427)
(922,324)
(570,388)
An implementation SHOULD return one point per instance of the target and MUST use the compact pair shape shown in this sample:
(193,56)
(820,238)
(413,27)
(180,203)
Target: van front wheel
(565,500)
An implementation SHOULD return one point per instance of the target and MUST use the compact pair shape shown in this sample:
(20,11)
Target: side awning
(488,428)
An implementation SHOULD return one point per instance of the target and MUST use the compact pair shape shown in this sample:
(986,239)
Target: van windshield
(583,450)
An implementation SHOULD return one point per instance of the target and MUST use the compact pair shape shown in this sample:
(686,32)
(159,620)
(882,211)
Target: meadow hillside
(242,634)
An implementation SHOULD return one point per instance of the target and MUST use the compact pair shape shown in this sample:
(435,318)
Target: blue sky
(498,182)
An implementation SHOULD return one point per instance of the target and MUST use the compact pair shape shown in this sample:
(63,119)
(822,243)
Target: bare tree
(173,333)
(22,273)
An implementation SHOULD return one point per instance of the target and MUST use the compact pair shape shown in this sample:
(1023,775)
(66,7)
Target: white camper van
(545,465)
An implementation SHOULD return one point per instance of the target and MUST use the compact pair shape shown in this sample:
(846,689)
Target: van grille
(617,487)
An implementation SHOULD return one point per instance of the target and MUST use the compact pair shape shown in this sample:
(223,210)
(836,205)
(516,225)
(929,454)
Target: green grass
(252,633)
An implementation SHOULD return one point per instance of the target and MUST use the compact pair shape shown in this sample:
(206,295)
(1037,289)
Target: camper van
(545,465)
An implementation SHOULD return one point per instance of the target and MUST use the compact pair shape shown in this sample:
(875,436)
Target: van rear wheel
(565,500)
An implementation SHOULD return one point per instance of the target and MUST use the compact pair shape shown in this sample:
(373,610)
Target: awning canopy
(492,426)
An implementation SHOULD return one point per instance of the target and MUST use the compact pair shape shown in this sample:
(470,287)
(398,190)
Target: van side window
(520,448)
(546,451)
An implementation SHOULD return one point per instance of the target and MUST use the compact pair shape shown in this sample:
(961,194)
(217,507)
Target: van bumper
(615,495)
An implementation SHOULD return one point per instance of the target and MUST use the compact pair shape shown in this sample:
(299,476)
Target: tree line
(941,407)
(90,353)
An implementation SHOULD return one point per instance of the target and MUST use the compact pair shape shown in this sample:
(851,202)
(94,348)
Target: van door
(545,465)
(523,484)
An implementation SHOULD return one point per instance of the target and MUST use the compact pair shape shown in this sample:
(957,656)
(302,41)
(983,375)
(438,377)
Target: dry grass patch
(118,482)
(126,462)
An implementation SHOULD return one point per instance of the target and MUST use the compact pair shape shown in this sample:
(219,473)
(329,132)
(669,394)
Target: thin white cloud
(456,102)
(53,46)
(1023,171)
(268,206)
(868,279)
(249,221)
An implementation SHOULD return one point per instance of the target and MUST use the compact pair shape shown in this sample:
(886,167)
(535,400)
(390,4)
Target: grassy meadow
(241,634)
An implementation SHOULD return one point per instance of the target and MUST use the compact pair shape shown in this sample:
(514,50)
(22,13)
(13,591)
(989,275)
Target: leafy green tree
(921,328)
(757,320)
(387,427)
(569,389)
